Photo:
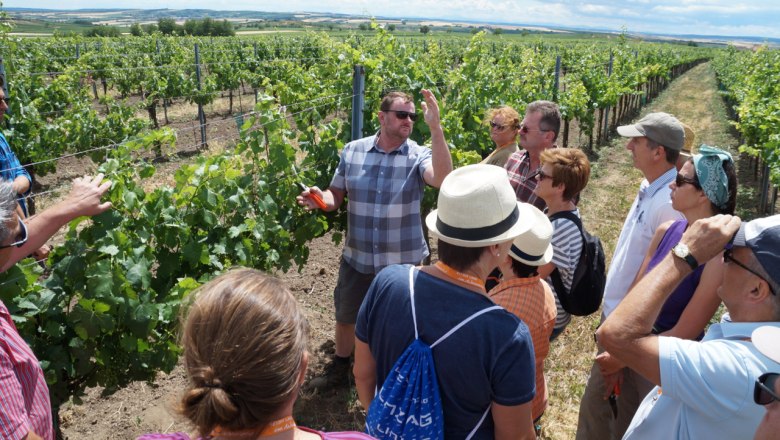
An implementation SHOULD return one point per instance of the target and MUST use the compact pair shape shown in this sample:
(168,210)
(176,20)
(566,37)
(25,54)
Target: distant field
(46,27)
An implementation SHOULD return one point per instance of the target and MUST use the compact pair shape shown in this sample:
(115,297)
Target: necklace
(276,427)
(471,280)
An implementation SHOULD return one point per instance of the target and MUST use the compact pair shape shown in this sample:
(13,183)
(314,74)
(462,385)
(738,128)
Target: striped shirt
(531,300)
(518,169)
(24,397)
(567,247)
(383,212)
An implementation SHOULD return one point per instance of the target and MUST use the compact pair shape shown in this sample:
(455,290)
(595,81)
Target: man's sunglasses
(764,390)
(400,114)
(21,239)
(729,258)
(525,129)
(681,180)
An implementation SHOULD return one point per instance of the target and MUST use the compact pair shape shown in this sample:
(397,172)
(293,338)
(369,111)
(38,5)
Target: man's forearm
(40,228)
(441,159)
(627,332)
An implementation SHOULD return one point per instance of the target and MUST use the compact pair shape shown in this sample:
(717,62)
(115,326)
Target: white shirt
(651,208)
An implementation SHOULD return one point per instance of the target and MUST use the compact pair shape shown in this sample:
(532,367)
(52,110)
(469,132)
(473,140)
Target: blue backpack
(408,405)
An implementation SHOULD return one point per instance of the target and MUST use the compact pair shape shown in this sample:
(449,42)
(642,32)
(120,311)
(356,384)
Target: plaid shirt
(24,397)
(531,300)
(384,190)
(518,168)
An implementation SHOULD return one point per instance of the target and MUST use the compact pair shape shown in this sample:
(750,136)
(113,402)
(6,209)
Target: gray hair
(7,207)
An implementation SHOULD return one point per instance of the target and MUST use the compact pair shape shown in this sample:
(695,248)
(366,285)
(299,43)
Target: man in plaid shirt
(538,132)
(384,176)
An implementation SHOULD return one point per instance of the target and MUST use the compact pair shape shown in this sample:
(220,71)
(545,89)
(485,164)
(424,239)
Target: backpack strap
(464,322)
(555,275)
(411,296)
(482,419)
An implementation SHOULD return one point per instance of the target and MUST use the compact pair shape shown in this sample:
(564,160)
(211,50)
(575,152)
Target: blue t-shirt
(491,359)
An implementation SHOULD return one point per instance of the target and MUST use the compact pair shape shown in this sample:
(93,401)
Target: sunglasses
(729,258)
(6,100)
(400,114)
(764,390)
(525,129)
(498,127)
(21,239)
(540,175)
(681,180)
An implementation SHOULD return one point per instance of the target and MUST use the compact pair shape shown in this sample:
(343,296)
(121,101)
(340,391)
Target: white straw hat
(477,207)
(533,246)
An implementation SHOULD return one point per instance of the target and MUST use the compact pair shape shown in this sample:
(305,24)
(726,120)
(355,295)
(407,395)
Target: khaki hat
(662,128)
(533,247)
(688,149)
(477,207)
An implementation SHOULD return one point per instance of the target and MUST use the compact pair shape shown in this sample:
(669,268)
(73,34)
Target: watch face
(681,250)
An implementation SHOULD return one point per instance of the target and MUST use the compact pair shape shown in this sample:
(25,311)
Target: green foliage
(107,314)
(751,86)
(103,31)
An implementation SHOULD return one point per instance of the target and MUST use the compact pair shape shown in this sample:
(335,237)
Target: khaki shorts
(351,288)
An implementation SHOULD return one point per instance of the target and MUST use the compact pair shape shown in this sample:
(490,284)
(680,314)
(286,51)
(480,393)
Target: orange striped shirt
(531,300)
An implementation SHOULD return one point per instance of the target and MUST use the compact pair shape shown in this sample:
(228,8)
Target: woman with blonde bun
(244,340)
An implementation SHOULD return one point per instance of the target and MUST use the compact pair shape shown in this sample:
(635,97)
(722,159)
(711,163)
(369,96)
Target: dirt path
(142,408)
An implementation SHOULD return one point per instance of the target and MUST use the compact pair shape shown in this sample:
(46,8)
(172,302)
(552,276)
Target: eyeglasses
(681,180)
(498,127)
(6,100)
(525,129)
(20,239)
(400,114)
(540,175)
(729,257)
(764,390)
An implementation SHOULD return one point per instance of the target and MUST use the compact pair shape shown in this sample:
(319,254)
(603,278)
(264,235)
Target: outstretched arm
(441,161)
(84,199)
(627,331)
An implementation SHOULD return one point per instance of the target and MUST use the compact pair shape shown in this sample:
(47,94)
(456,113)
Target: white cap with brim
(477,207)
(767,341)
(533,247)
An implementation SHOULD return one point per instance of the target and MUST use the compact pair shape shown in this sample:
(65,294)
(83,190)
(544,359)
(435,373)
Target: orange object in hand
(317,199)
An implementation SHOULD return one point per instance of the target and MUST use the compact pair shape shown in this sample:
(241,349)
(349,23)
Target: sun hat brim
(546,258)
(521,226)
(766,340)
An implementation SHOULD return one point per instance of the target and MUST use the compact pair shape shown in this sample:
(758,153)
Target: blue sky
(760,18)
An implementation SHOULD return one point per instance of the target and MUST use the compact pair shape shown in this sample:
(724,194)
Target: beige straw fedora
(477,207)
(688,149)
(533,247)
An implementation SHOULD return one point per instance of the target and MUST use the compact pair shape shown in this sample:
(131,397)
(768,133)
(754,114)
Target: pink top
(347,435)
(24,397)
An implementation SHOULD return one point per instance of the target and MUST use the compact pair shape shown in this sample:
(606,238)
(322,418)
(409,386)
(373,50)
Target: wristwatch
(682,251)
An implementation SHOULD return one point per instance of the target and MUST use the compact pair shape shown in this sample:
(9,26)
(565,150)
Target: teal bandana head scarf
(709,170)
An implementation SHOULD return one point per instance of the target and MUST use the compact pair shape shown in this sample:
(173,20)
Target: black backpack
(587,287)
